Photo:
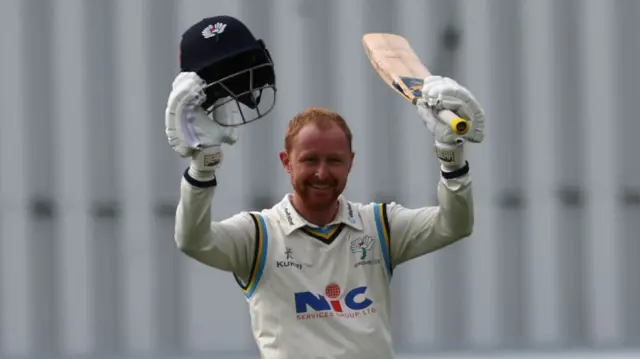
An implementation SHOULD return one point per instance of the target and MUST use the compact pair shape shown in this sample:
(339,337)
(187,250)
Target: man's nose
(322,172)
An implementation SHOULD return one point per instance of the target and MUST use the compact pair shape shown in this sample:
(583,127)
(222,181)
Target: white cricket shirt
(321,292)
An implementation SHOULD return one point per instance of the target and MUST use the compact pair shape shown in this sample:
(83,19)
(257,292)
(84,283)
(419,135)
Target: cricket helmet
(235,65)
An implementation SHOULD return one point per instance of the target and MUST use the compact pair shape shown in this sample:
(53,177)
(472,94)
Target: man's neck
(320,218)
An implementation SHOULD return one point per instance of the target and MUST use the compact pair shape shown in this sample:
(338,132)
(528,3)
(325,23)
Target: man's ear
(353,155)
(286,161)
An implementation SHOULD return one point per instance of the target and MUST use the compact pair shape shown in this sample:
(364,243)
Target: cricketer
(314,268)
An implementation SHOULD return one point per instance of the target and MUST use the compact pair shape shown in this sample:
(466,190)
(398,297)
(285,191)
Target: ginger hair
(321,117)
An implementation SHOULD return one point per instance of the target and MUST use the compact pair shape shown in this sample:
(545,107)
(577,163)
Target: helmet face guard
(248,79)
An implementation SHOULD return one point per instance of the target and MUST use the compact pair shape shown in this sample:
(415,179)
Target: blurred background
(88,184)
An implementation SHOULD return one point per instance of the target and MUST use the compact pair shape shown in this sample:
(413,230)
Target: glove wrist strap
(197,180)
(456,173)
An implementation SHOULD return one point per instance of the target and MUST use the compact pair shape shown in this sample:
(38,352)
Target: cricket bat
(400,68)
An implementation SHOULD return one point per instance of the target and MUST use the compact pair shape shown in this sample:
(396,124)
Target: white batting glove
(442,93)
(192,133)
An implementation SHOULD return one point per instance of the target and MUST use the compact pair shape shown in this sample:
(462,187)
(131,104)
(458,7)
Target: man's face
(319,163)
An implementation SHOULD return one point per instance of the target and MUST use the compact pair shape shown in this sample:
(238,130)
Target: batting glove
(192,133)
(442,93)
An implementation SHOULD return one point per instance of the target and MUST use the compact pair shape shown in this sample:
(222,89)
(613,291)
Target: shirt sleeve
(228,245)
(415,232)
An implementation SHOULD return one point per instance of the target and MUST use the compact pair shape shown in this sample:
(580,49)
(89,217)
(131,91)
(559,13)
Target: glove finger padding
(185,95)
(230,135)
(223,114)
(444,93)
(188,112)
(441,131)
(207,132)
(188,126)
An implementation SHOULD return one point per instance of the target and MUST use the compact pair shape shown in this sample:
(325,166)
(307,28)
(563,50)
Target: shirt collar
(291,220)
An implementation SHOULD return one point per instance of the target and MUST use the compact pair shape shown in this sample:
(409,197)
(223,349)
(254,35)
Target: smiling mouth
(320,186)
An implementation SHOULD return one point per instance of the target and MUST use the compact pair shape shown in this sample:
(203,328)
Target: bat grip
(458,125)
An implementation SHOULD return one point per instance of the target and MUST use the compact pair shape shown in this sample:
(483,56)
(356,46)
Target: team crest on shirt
(362,248)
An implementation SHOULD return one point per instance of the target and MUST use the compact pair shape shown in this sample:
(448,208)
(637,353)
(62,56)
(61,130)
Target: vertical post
(101,175)
(540,101)
(16,266)
(628,83)
(135,167)
(602,123)
(477,65)
(568,171)
(164,181)
(71,116)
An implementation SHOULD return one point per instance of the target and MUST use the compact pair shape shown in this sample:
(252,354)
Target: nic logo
(352,304)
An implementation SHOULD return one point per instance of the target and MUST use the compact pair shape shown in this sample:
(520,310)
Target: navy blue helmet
(235,65)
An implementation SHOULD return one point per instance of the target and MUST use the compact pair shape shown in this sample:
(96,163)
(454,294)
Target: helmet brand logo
(213,30)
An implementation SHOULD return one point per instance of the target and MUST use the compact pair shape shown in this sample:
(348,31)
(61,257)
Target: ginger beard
(319,163)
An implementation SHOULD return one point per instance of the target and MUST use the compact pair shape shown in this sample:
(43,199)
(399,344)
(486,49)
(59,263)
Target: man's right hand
(191,132)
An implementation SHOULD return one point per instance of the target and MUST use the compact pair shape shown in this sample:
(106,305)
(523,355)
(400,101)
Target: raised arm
(414,232)
(226,245)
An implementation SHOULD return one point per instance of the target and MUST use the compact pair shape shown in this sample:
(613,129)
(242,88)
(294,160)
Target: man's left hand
(442,93)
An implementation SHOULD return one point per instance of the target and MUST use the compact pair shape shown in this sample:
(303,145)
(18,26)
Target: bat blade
(396,63)
(400,68)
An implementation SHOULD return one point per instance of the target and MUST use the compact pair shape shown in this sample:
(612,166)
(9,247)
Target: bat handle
(458,125)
